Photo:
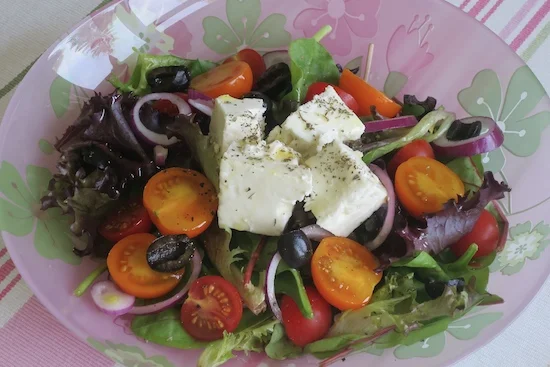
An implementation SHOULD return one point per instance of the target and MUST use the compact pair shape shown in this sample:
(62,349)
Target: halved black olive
(295,249)
(275,82)
(268,104)
(462,131)
(435,289)
(169,79)
(170,253)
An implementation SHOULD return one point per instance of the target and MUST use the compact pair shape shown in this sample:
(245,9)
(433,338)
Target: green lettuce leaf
(147,62)
(252,335)
(431,127)
(470,170)
(216,243)
(310,62)
(280,347)
(164,328)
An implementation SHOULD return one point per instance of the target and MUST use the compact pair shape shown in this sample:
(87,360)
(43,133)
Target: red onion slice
(390,215)
(203,106)
(195,94)
(167,303)
(161,153)
(111,300)
(316,233)
(270,286)
(388,124)
(143,132)
(490,139)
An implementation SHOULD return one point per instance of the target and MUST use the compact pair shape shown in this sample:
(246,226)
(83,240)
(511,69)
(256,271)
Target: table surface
(29,332)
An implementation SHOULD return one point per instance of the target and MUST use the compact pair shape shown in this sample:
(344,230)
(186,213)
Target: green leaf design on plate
(524,243)
(523,136)
(46,147)
(470,327)
(20,213)
(484,96)
(128,355)
(429,347)
(270,33)
(395,82)
(60,96)
(494,161)
(243,29)
(243,17)
(523,95)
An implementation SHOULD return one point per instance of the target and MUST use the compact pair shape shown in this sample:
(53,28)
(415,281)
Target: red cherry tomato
(485,235)
(212,307)
(167,107)
(319,87)
(418,148)
(129,218)
(300,330)
(252,58)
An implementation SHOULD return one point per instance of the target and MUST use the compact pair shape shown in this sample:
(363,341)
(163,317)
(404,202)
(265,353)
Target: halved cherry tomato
(343,272)
(127,263)
(418,148)
(180,201)
(367,96)
(319,87)
(301,330)
(485,235)
(128,219)
(213,306)
(167,107)
(423,185)
(234,78)
(252,58)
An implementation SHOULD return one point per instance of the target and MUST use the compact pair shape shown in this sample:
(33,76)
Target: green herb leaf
(310,62)
(470,171)
(164,328)
(280,347)
(147,62)
(431,127)
(252,335)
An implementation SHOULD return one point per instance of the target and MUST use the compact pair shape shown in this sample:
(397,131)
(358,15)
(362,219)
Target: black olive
(203,121)
(295,249)
(436,288)
(275,82)
(463,130)
(170,253)
(268,104)
(300,218)
(169,79)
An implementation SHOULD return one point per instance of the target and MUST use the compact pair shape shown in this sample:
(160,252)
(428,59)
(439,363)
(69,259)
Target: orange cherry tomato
(367,96)
(234,78)
(252,58)
(127,263)
(180,201)
(417,148)
(319,87)
(343,272)
(423,185)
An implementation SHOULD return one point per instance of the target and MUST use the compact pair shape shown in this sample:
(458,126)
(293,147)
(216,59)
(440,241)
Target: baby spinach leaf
(280,347)
(290,282)
(164,328)
(310,62)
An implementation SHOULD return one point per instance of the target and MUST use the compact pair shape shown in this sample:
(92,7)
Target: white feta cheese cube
(235,120)
(324,119)
(345,191)
(259,186)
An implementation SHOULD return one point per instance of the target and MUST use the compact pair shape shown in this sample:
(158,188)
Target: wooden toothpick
(368,63)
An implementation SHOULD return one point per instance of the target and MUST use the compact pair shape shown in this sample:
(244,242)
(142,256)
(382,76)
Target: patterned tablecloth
(30,336)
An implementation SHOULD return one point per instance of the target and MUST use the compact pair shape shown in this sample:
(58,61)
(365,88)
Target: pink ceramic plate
(423,47)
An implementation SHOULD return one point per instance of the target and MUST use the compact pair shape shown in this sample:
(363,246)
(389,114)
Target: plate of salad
(253,183)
